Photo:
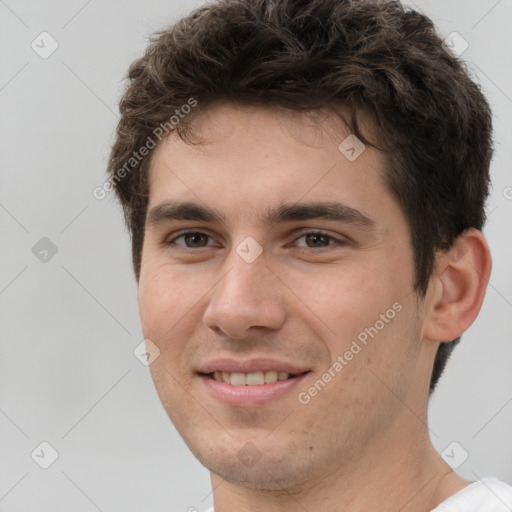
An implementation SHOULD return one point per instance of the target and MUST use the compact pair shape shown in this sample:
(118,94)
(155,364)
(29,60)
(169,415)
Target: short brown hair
(431,119)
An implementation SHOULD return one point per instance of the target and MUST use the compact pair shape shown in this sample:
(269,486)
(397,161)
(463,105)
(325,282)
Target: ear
(458,286)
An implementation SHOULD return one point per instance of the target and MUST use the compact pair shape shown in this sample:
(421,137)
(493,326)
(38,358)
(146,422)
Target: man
(304,183)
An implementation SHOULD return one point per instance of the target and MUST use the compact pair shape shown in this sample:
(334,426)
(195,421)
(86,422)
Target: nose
(248,296)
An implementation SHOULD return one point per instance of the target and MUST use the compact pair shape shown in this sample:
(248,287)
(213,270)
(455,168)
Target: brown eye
(192,240)
(317,240)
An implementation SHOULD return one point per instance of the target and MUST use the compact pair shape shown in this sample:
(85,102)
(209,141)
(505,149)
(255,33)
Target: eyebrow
(285,212)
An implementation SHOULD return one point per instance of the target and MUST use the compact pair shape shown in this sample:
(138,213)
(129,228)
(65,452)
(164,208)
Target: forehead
(250,159)
(269,127)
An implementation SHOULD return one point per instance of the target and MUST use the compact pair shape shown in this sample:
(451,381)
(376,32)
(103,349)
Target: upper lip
(260,364)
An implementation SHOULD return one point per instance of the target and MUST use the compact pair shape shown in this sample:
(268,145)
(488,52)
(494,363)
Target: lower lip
(242,396)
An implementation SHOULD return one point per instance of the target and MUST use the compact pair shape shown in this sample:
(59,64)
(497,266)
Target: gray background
(69,325)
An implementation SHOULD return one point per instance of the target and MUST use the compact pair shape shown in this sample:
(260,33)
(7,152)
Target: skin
(365,434)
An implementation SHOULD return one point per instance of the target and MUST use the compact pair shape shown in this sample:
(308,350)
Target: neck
(406,475)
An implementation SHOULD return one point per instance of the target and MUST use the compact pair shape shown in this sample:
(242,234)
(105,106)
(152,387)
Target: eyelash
(301,235)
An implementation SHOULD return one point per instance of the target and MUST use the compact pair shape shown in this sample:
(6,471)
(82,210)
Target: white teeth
(271,376)
(254,379)
(250,379)
(238,379)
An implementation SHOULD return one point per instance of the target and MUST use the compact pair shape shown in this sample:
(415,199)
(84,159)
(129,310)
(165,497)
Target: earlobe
(459,285)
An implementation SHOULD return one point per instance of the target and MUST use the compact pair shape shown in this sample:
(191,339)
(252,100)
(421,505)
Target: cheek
(168,298)
(150,304)
(368,320)
(158,300)
(348,299)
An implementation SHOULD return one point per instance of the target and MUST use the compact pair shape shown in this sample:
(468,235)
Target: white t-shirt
(486,495)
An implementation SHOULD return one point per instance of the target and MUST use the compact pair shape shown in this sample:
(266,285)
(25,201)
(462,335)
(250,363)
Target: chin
(268,470)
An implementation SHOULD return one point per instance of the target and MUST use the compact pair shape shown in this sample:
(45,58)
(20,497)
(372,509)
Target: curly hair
(428,116)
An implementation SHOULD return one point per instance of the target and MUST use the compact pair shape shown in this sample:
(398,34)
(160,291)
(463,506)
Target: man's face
(248,294)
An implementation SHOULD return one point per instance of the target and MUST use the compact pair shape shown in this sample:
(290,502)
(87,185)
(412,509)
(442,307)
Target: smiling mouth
(253,378)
